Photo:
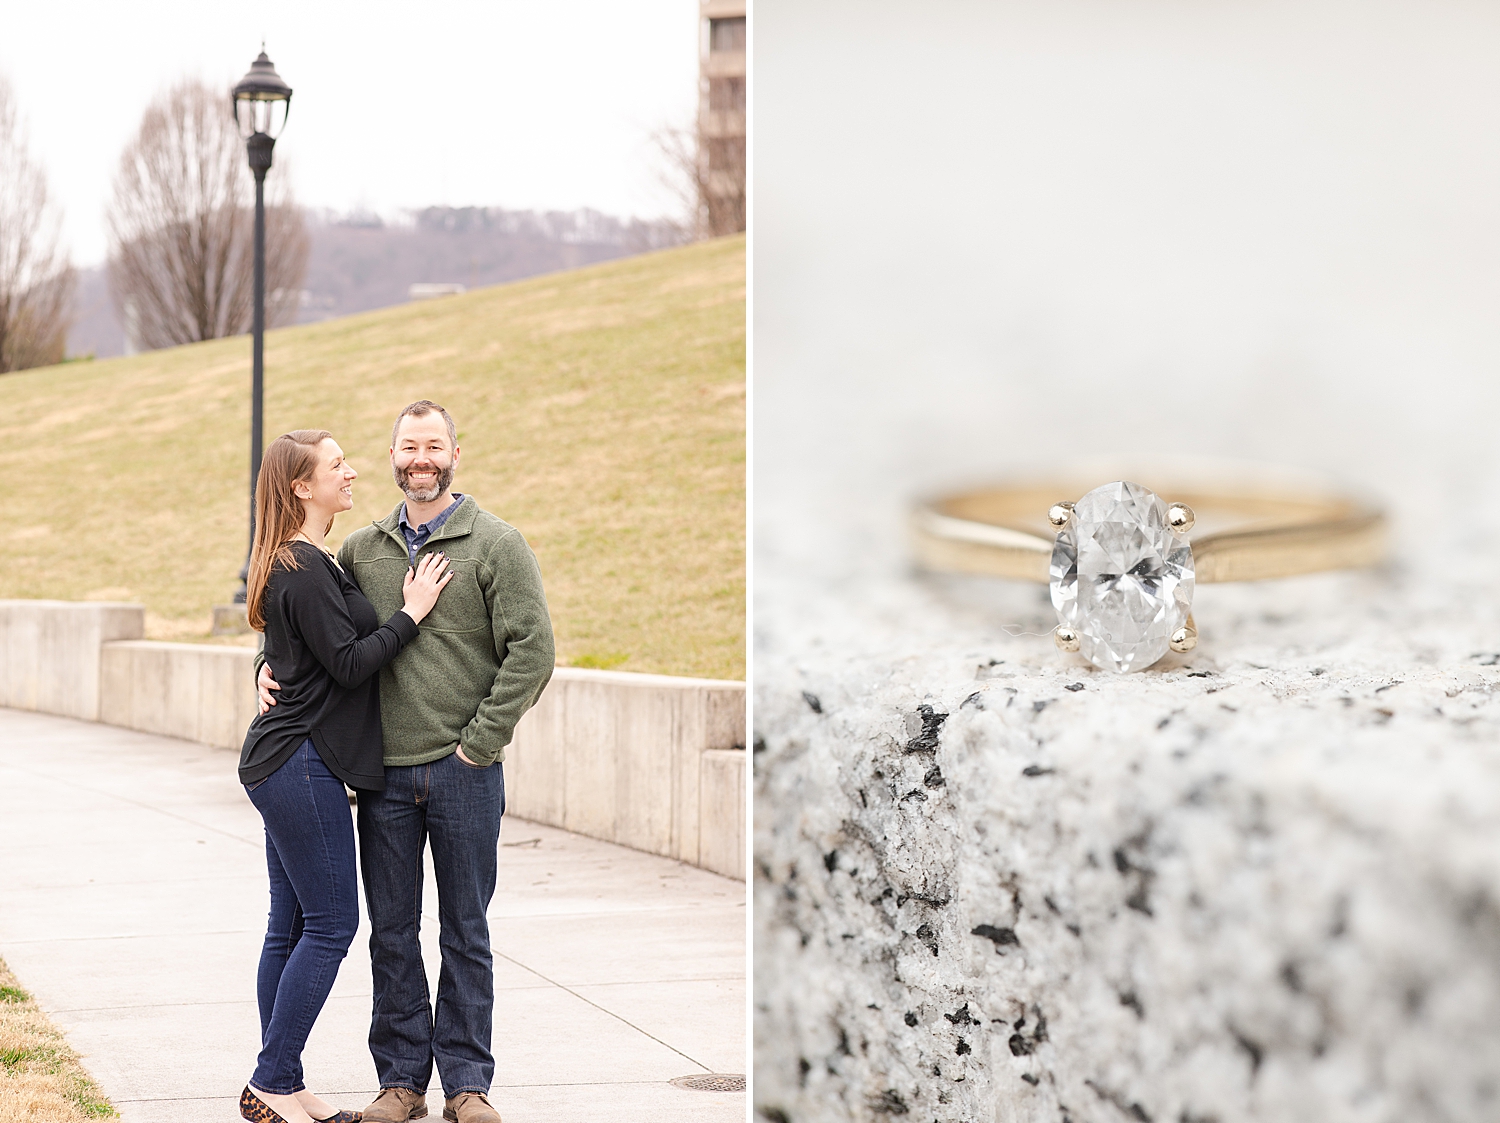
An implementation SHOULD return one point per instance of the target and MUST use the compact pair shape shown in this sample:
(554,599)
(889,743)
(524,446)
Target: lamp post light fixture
(261,104)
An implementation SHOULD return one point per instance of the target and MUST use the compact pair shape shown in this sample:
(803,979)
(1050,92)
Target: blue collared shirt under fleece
(416,539)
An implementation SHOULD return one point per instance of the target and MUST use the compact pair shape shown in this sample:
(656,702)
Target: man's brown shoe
(469,1107)
(397,1105)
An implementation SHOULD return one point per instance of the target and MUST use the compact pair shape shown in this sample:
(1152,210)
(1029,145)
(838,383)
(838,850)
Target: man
(449,704)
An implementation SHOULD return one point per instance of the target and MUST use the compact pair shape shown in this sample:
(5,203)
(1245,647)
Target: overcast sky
(513,103)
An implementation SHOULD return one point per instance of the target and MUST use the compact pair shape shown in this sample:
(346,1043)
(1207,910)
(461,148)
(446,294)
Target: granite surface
(1257,882)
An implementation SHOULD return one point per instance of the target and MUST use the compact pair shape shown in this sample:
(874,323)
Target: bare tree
(181,226)
(707,175)
(679,174)
(36,280)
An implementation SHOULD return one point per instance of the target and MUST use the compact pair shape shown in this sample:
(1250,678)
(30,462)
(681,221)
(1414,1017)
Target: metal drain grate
(712,1082)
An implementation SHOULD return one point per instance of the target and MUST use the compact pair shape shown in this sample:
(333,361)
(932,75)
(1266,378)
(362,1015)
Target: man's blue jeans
(314,908)
(457,808)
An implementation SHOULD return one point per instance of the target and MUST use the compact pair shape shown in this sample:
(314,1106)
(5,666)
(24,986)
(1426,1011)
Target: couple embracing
(398,668)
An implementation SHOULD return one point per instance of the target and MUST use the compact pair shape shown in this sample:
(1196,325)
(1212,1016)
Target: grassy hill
(601,411)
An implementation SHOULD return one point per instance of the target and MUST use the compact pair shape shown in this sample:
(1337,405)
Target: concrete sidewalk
(133,901)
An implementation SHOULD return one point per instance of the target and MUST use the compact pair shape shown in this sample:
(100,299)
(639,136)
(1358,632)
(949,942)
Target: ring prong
(1059,514)
(1180,517)
(1184,638)
(1065,638)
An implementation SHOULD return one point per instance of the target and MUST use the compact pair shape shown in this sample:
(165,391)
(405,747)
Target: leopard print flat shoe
(256,1110)
(253,1108)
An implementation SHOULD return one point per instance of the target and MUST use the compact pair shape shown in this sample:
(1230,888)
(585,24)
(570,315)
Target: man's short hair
(422,409)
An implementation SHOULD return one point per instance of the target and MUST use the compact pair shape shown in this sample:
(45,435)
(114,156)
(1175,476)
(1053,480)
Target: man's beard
(426,494)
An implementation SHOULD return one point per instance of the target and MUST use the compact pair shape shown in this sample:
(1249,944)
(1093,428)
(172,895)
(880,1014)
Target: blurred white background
(996,236)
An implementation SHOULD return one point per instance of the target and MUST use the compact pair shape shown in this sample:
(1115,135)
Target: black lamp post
(261,104)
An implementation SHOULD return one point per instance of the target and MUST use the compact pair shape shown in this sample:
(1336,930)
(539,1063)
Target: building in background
(721,115)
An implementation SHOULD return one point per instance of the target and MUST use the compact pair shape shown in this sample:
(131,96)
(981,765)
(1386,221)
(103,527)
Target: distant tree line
(578,226)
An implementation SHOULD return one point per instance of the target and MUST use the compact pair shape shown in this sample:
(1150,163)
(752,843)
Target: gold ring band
(1257,535)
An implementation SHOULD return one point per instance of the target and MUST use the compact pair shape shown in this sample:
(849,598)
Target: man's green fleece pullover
(482,655)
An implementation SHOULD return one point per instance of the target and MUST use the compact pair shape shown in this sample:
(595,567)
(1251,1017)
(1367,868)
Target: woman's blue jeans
(314,908)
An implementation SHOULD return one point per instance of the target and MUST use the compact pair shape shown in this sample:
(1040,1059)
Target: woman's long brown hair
(278,512)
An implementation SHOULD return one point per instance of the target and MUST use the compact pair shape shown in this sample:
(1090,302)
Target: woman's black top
(324,643)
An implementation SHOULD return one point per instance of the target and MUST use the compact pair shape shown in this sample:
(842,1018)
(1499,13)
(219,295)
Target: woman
(326,643)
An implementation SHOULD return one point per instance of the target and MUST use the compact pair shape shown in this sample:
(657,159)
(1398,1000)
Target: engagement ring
(1121,566)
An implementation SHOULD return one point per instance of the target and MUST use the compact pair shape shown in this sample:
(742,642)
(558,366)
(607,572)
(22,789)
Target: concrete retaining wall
(648,761)
(198,692)
(721,843)
(653,762)
(49,652)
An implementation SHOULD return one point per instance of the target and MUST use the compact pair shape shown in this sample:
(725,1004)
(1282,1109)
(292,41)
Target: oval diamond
(1121,578)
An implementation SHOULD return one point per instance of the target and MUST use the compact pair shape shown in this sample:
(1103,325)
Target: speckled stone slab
(1257,882)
